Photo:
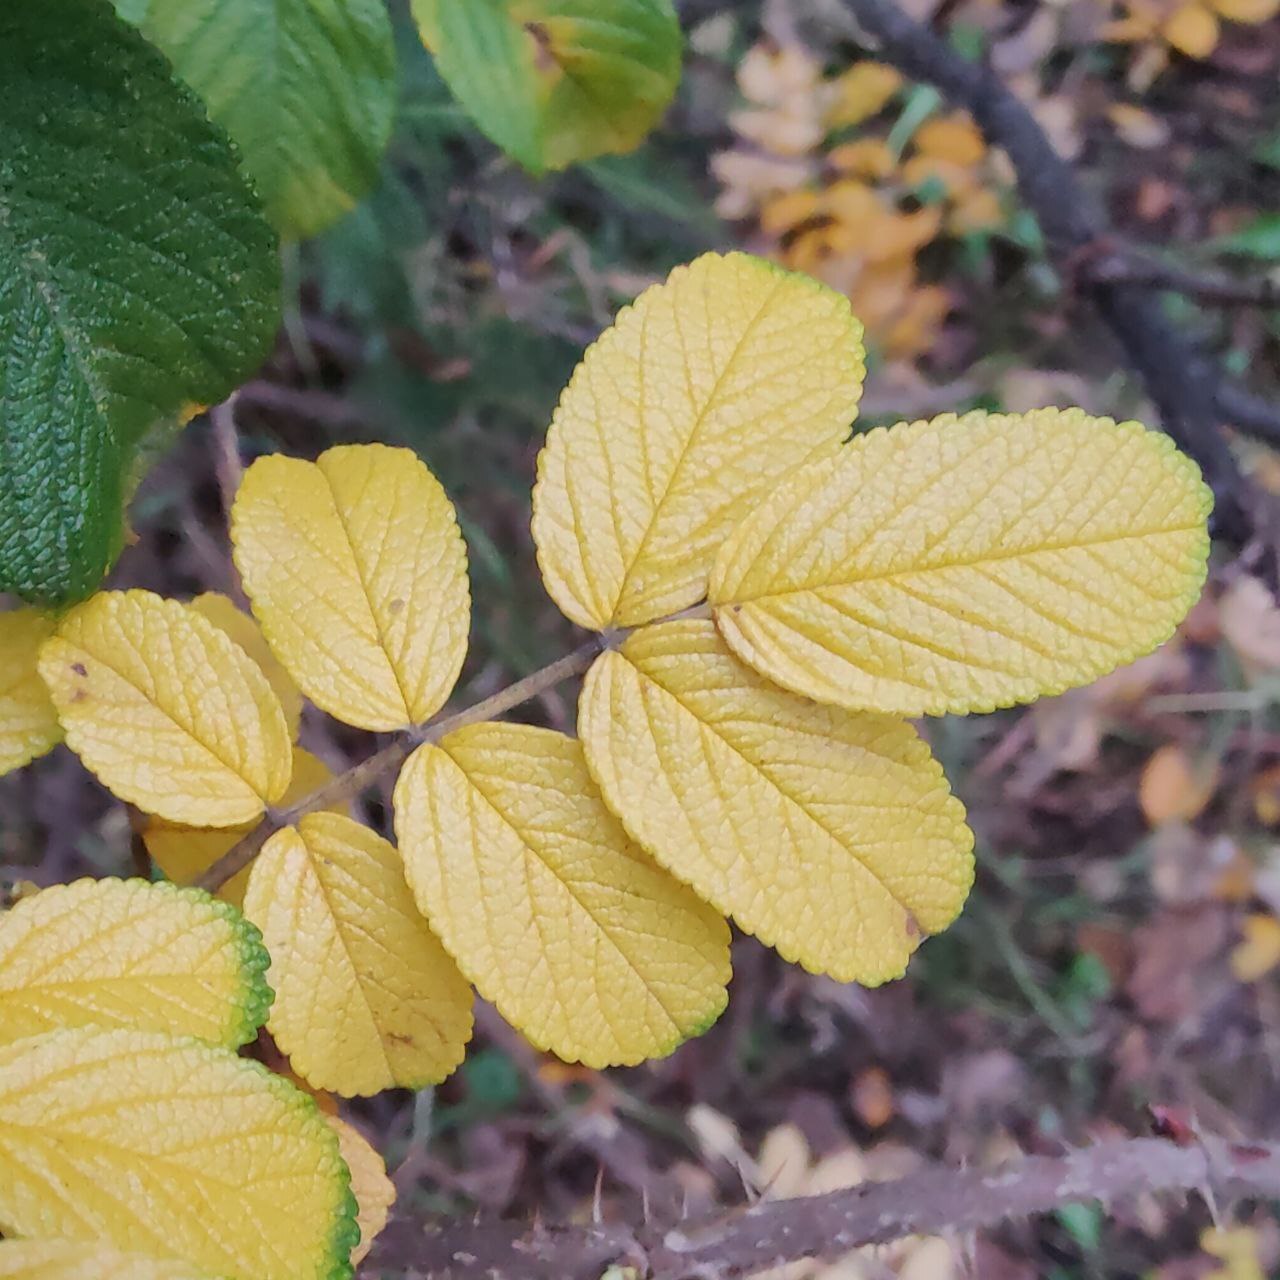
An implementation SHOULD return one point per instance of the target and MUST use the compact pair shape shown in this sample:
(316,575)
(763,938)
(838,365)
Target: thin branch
(346,786)
(1140,272)
(773,1233)
(1181,380)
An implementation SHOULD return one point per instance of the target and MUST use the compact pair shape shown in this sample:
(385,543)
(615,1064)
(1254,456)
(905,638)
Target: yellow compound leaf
(358,574)
(73,1260)
(829,835)
(967,563)
(366,997)
(126,953)
(185,853)
(170,1148)
(584,944)
(240,626)
(375,1193)
(28,722)
(683,414)
(167,710)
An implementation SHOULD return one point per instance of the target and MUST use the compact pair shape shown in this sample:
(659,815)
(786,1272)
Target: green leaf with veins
(138,280)
(306,88)
(553,82)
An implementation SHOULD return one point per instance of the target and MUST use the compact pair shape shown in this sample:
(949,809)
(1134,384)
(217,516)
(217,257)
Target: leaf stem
(346,786)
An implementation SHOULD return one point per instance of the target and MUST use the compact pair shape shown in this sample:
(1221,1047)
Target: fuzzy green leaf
(138,280)
(307,88)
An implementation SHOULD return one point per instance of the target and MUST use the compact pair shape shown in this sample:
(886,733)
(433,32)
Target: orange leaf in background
(953,138)
(785,212)
(1250,12)
(1173,789)
(1259,952)
(1192,30)
(862,92)
(979,210)
(862,158)
(1265,788)
(872,1097)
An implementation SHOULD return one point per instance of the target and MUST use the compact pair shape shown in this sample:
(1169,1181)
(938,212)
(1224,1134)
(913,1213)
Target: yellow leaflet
(184,853)
(967,563)
(72,1260)
(366,997)
(28,722)
(358,575)
(125,953)
(829,835)
(170,1148)
(375,1193)
(581,942)
(684,413)
(240,626)
(167,710)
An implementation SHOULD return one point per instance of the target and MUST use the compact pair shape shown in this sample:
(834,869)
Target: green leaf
(1259,239)
(138,280)
(557,81)
(307,88)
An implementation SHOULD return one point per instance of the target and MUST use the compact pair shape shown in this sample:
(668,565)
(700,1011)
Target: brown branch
(346,786)
(774,1232)
(1141,272)
(1181,380)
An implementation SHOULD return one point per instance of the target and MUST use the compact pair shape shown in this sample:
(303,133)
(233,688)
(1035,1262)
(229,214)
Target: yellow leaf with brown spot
(28,721)
(678,420)
(830,836)
(358,576)
(579,939)
(366,997)
(168,711)
(966,563)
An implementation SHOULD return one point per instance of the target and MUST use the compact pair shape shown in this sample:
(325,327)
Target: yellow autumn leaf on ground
(1193,29)
(967,563)
(1173,788)
(1259,951)
(74,1260)
(375,1193)
(679,418)
(358,575)
(225,614)
(185,853)
(126,953)
(1237,1248)
(28,722)
(366,997)
(830,836)
(168,711)
(862,92)
(557,918)
(116,1136)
